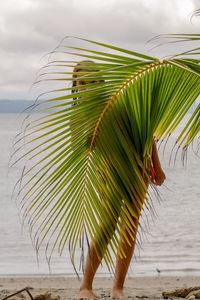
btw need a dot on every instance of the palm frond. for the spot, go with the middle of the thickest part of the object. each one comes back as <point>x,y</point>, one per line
<point>89,162</point>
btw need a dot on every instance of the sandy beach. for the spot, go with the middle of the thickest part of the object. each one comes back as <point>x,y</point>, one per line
<point>68,288</point>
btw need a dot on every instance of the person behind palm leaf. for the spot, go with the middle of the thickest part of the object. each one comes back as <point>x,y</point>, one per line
<point>93,261</point>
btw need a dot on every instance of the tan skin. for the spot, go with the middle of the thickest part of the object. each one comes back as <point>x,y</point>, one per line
<point>122,264</point>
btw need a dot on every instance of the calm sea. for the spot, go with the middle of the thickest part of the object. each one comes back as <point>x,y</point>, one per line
<point>171,247</point>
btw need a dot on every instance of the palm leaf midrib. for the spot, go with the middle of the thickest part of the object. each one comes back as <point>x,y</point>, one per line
<point>119,90</point>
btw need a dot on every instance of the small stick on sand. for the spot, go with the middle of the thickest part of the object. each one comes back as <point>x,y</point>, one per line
<point>26,289</point>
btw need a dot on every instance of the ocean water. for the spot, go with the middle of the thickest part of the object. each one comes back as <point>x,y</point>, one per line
<point>172,246</point>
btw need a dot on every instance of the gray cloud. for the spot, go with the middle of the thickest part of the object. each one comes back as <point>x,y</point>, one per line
<point>30,28</point>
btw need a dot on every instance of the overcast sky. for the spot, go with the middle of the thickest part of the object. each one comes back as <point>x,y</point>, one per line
<point>31,28</point>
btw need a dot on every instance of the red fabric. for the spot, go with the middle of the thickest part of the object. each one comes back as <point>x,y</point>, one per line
<point>152,173</point>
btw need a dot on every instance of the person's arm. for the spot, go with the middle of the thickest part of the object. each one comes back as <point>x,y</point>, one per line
<point>159,175</point>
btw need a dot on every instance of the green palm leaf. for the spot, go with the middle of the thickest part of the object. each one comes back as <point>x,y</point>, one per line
<point>89,161</point>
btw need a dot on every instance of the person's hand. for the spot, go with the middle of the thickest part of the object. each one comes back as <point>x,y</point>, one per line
<point>156,172</point>
<point>159,176</point>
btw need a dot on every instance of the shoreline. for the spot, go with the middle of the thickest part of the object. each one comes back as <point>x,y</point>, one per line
<point>68,287</point>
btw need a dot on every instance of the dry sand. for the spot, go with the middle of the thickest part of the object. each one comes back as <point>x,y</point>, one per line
<point>68,288</point>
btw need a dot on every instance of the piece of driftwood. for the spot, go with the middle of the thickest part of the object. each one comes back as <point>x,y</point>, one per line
<point>193,295</point>
<point>180,293</point>
<point>46,296</point>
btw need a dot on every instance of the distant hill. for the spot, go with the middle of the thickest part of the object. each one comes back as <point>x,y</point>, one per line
<point>14,106</point>
<point>18,106</point>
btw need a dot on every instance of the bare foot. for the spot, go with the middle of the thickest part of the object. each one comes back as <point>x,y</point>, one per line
<point>117,293</point>
<point>87,294</point>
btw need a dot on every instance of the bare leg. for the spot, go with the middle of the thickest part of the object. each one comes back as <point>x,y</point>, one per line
<point>122,265</point>
<point>92,263</point>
